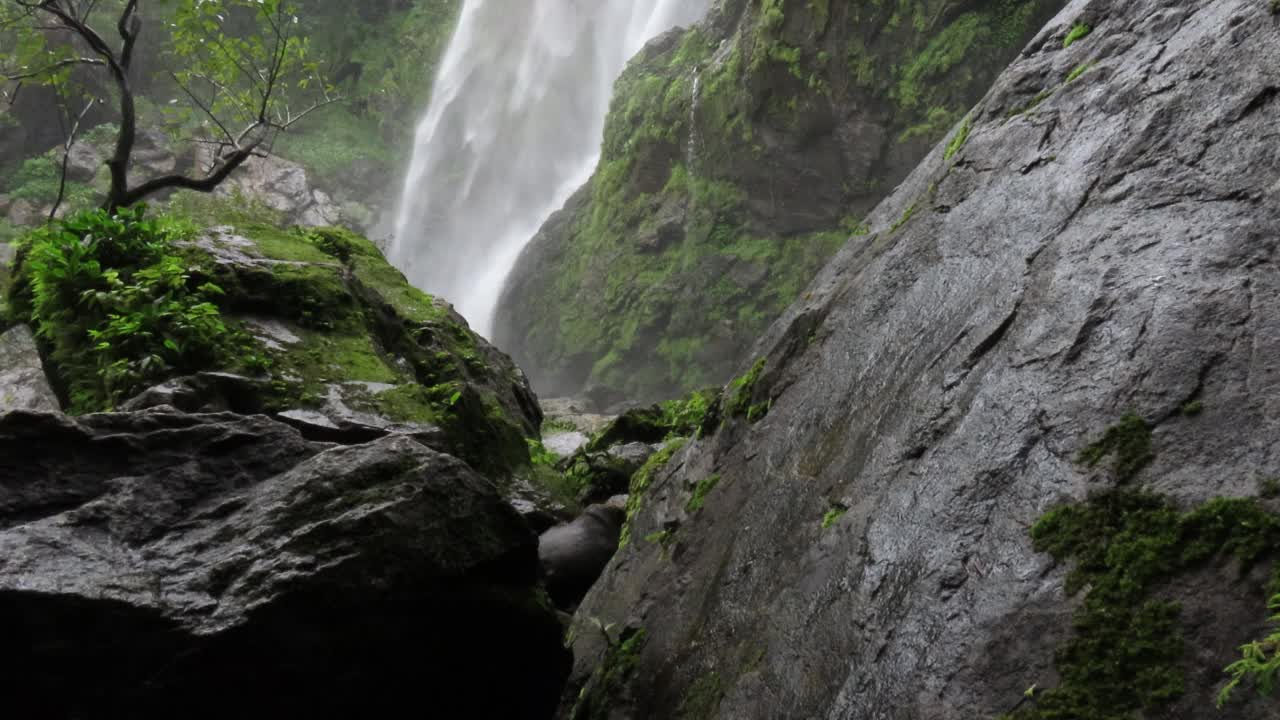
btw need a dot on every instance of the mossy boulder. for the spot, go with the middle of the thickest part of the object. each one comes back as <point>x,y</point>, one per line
<point>343,334</point>
<point>739,155</point>
<point>320,331</point>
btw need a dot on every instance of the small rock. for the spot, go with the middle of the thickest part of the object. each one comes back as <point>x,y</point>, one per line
<point>574,555</point>
<point>23,213</point>
<point>23,384</point>
<point>566,443</point>
<point>633,454</point>
<point>83,162</point>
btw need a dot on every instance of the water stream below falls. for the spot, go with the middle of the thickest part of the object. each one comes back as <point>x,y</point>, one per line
<point>513,128</point>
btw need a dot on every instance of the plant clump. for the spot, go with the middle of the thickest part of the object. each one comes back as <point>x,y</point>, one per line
<point>1078,32</point>
<point>742,393</point>
<point>611,678</point>
<point>700,493</point>
<point>1128,443</point>
<point>118,306</point>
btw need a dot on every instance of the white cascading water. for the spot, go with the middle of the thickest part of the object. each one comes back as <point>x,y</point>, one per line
<point>514,127</point>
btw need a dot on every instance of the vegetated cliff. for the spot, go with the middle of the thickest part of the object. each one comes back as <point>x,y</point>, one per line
<point>738,156</point>
<point>979,469</point>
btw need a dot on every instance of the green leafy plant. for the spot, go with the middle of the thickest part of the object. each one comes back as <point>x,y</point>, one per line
<point>1079,70</point>
<point>1128,442</point>
<point>833,515</point>
<point>1079,32</point>
<point>117,306</point>
<point>685,416</point>
<point>961,137</point>
<point>1259,662</point>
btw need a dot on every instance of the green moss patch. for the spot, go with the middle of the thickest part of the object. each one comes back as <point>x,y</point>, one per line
<point>1128,443</point>
<point>833,515</point>
<point>703,697</point>
<point>640,484</point>
<point>611,679</point>
<point>742,396</point>
<point>1126,650</point>
<point>1077,33</point>
<point>700,493</point>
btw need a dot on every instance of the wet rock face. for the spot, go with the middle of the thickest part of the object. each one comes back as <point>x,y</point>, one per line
<point>1099,238</point>
<point>149,560</point>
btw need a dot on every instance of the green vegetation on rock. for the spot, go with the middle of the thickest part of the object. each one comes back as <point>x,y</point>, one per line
<point>700,493</point>
<point>640,484</point>
<point>1126,651</point>
<point>833,515</point>
<point>117,305</point>
<point>309,318</point>
<point>1127,442</point>
<point>1078,32</point>
<point>961,137</point>
<point>611,678</point>
<point>742,400</point>
<point>703,697</point>
<point>681,250</point>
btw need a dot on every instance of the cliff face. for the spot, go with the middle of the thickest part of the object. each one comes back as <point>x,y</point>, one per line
<point>738,156</point>
<point>978,468</point>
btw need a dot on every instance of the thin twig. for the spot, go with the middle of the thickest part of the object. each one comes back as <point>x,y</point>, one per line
<point>66,160</point>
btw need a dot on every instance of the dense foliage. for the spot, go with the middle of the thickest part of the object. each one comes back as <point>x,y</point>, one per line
<point>116,305</point>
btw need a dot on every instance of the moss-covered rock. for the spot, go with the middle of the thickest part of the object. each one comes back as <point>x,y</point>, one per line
<point>343,333</point>
<point>738,156</point>
<point>315,327</point>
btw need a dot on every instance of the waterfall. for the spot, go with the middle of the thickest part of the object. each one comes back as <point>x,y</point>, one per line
<point>513,128</point>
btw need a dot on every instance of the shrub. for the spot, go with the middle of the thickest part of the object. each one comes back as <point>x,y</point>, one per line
<point>116,306</point>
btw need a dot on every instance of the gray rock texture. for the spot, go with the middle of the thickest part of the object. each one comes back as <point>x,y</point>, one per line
<point>1089,243</point>
<point>281,185</point>
<point>225,563</point>
<point>23,385</point>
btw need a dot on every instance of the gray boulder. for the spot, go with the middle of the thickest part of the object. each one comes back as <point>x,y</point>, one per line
<point>23,384</point>
<point>281,185</point>
<point>1099,238</point>
<point>23,213</point>
<point>574,554</point>
<point>83,162</point>
<point>224,564</point>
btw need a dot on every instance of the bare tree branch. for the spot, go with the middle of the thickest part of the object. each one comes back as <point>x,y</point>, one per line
<point>66,159</point>
<point>203,107</point>
<point>54,66</point>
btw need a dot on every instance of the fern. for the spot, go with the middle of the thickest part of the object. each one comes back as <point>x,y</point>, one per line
<point>1259,662</point>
